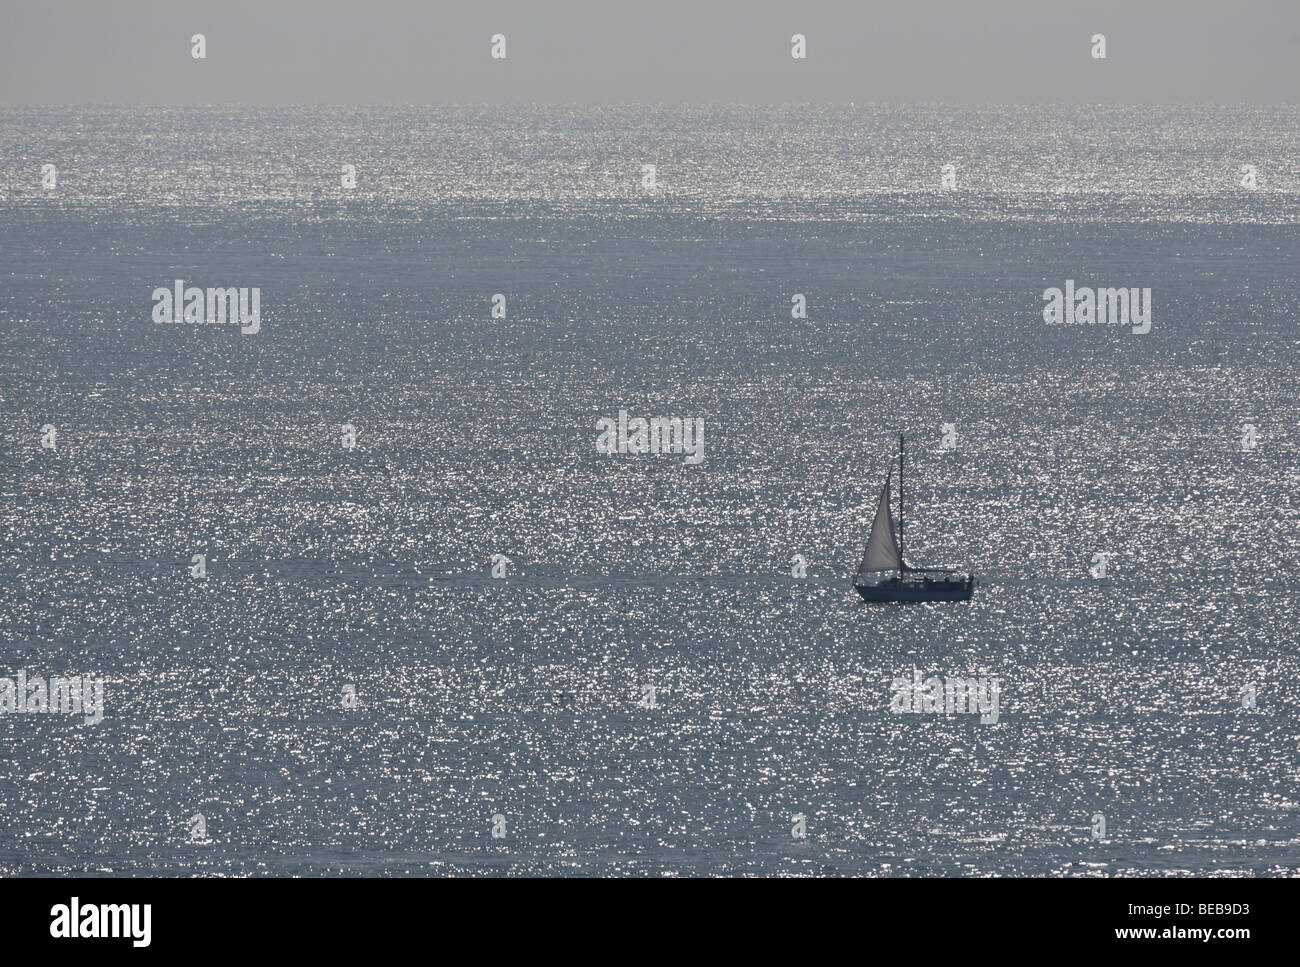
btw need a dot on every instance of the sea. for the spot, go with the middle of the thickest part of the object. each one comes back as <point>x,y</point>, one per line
<point>367,598</point>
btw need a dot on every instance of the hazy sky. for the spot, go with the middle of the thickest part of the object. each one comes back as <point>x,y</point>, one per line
<point>698,51</point>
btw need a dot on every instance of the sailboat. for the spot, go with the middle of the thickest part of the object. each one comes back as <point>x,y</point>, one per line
<point>884,554</point>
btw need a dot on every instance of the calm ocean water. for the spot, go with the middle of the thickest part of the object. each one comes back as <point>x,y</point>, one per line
<point>520,702</point>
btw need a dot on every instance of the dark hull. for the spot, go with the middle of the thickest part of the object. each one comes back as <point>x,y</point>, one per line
<point>918,589</point>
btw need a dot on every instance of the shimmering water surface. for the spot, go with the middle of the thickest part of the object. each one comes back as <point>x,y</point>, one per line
<point>521,697</point>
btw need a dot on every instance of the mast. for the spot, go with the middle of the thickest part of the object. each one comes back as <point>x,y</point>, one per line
<point>900,499</point>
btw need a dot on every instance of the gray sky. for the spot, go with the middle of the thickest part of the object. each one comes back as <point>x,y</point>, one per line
<point>676,51</point>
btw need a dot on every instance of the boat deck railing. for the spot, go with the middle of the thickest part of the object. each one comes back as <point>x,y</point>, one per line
<point>914,576</point>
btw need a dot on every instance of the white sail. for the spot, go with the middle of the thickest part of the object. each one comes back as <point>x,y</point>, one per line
<point>882,552</point>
